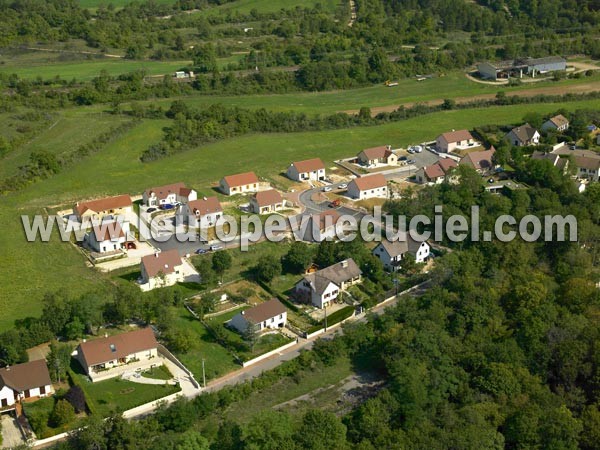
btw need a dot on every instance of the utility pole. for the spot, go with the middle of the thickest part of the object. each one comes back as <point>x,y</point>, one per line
<point>203,374</point>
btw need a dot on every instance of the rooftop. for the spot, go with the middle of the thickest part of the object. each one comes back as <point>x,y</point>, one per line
<point>29,375</point>
<point>241,179</point>
<point>104,204</point>
<point>269,197</point>
<point>309,165</point>
<point>163,262</point>
<point>264,311</point>
<point>109,348</point>
<point>369,182</point>
<point>206,205</point>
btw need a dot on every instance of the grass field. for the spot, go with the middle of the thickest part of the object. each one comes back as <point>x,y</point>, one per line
<point>117,3</point>
<point>452,85</point>
<point>266,6</point>
<point>30,269</point>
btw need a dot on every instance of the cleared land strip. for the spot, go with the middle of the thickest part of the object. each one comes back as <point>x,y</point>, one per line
<point>548,90</point>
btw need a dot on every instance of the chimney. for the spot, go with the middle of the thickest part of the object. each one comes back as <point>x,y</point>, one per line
<point>166,266</point>
<point>345,263</point>
<point>105,335</point>
<point>389,147</point>
<point>156,254</point>
<point>84,340</point>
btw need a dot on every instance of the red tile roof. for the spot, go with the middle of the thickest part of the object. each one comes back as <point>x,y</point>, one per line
<point>241,179</point>
<point>109,348</point>
<point>369,182</point>
<point>481,160</point>
<point>108,231</point>
<point>29,375</point>
<point>457,136</point>
<point>309,165</point>
<point>434,171</point>
<point>377,152</point>
<point>163,192</point>
<point>164,262</point>
<point>267,198</point>
<point>264,311</point>
<point>446,164</point>
<point>104,204</point>
<point>206,205</point>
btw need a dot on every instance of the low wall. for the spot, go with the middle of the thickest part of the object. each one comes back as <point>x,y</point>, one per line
<point>268,354</point>
<point>167,354</point>
<point>150,407</point>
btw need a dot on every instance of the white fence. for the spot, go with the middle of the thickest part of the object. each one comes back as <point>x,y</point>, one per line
<point>268,354</point>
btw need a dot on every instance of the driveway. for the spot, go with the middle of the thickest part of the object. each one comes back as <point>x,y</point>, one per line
<point>11,433</point>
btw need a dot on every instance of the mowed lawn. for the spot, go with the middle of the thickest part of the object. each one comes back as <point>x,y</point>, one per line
<point>30,269</point>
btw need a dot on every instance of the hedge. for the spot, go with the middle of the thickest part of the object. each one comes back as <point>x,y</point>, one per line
<point>332,319</point>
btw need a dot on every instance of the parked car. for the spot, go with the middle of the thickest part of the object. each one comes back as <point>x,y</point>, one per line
<point>402,158</point>
<point>167,206</point>
<point>214,248</point>
<point>342,186</point>
<point>201,251</point>
<point>410,150</point>
<point>418,149</point>
<point>150,210</point>
<point>411,161</point>
<point>326,189</point>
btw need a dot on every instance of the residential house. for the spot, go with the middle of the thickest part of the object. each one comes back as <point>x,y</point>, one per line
<point>588,168</point>
<point>162,269</point>
<point>323,286</point>
<point>97,209</point>
<point>168,195</point>
<point>99,356</point>
<point>267,315</point>
<point>437,173</point>
<point>201,213</point>
<point>239,183</point>
<point>265,202</point>
<point>368,187</point>
<point>558,123</point>
<point>482,161</point>
<point>318,227</point>
<point>523,135</point>
<point>393,253</point>
<point>554,158</point>
<point>24,381</point>
<point>309,169</point>
<point>377,155</point>
<point>454,140</point>
<point>108,236</point>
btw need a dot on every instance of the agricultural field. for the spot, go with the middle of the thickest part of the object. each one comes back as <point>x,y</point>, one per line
<point>30,269</point>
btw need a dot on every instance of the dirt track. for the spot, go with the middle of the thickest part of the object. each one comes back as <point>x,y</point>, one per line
<point>549,90</point>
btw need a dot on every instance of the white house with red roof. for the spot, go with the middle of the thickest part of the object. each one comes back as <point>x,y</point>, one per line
<point>162,269</point>
<point>240,183</point>
<point>307,170</point>
<point>370,186</point>
<point>202,213</point>
<point>265,202</point>
<point>119,205</point>
<point>454,140</point>
<point>108,236</point>
<point>168,195</point>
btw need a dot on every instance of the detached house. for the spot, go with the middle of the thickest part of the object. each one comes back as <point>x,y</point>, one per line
<point>523,136</point>
<point>323,286</point>
<point>436,173</point>
<point>588,167</point>
<point>318,227</point>
<point>554,158</point>
<point>265,202</point>
<point>162,269</point>
<point>557,123</point>
<point>24,381</point>
<point>267,315</point>
<point>377,155</point>
<point>239,184</point>
<point>368,187</point>
<point>392,254</point>
<point>453,140</point>
<point>201,213</point>
<point>98,209</point>
<point>99,356</point>
<point>310,169</point>
<point>481,161</point>
<point>168,195</point>
<point>108,236</point>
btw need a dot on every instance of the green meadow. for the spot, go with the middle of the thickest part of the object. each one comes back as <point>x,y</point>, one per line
<point>30,269</point>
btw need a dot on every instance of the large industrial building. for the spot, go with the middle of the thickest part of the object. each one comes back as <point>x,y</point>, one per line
<point>519,67</point>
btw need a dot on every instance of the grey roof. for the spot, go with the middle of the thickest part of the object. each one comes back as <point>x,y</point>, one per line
<point>552,157</point>
<point>524,133</point>
<point>400,247</point>
<point>545,60</point>
<point>337,273</point>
